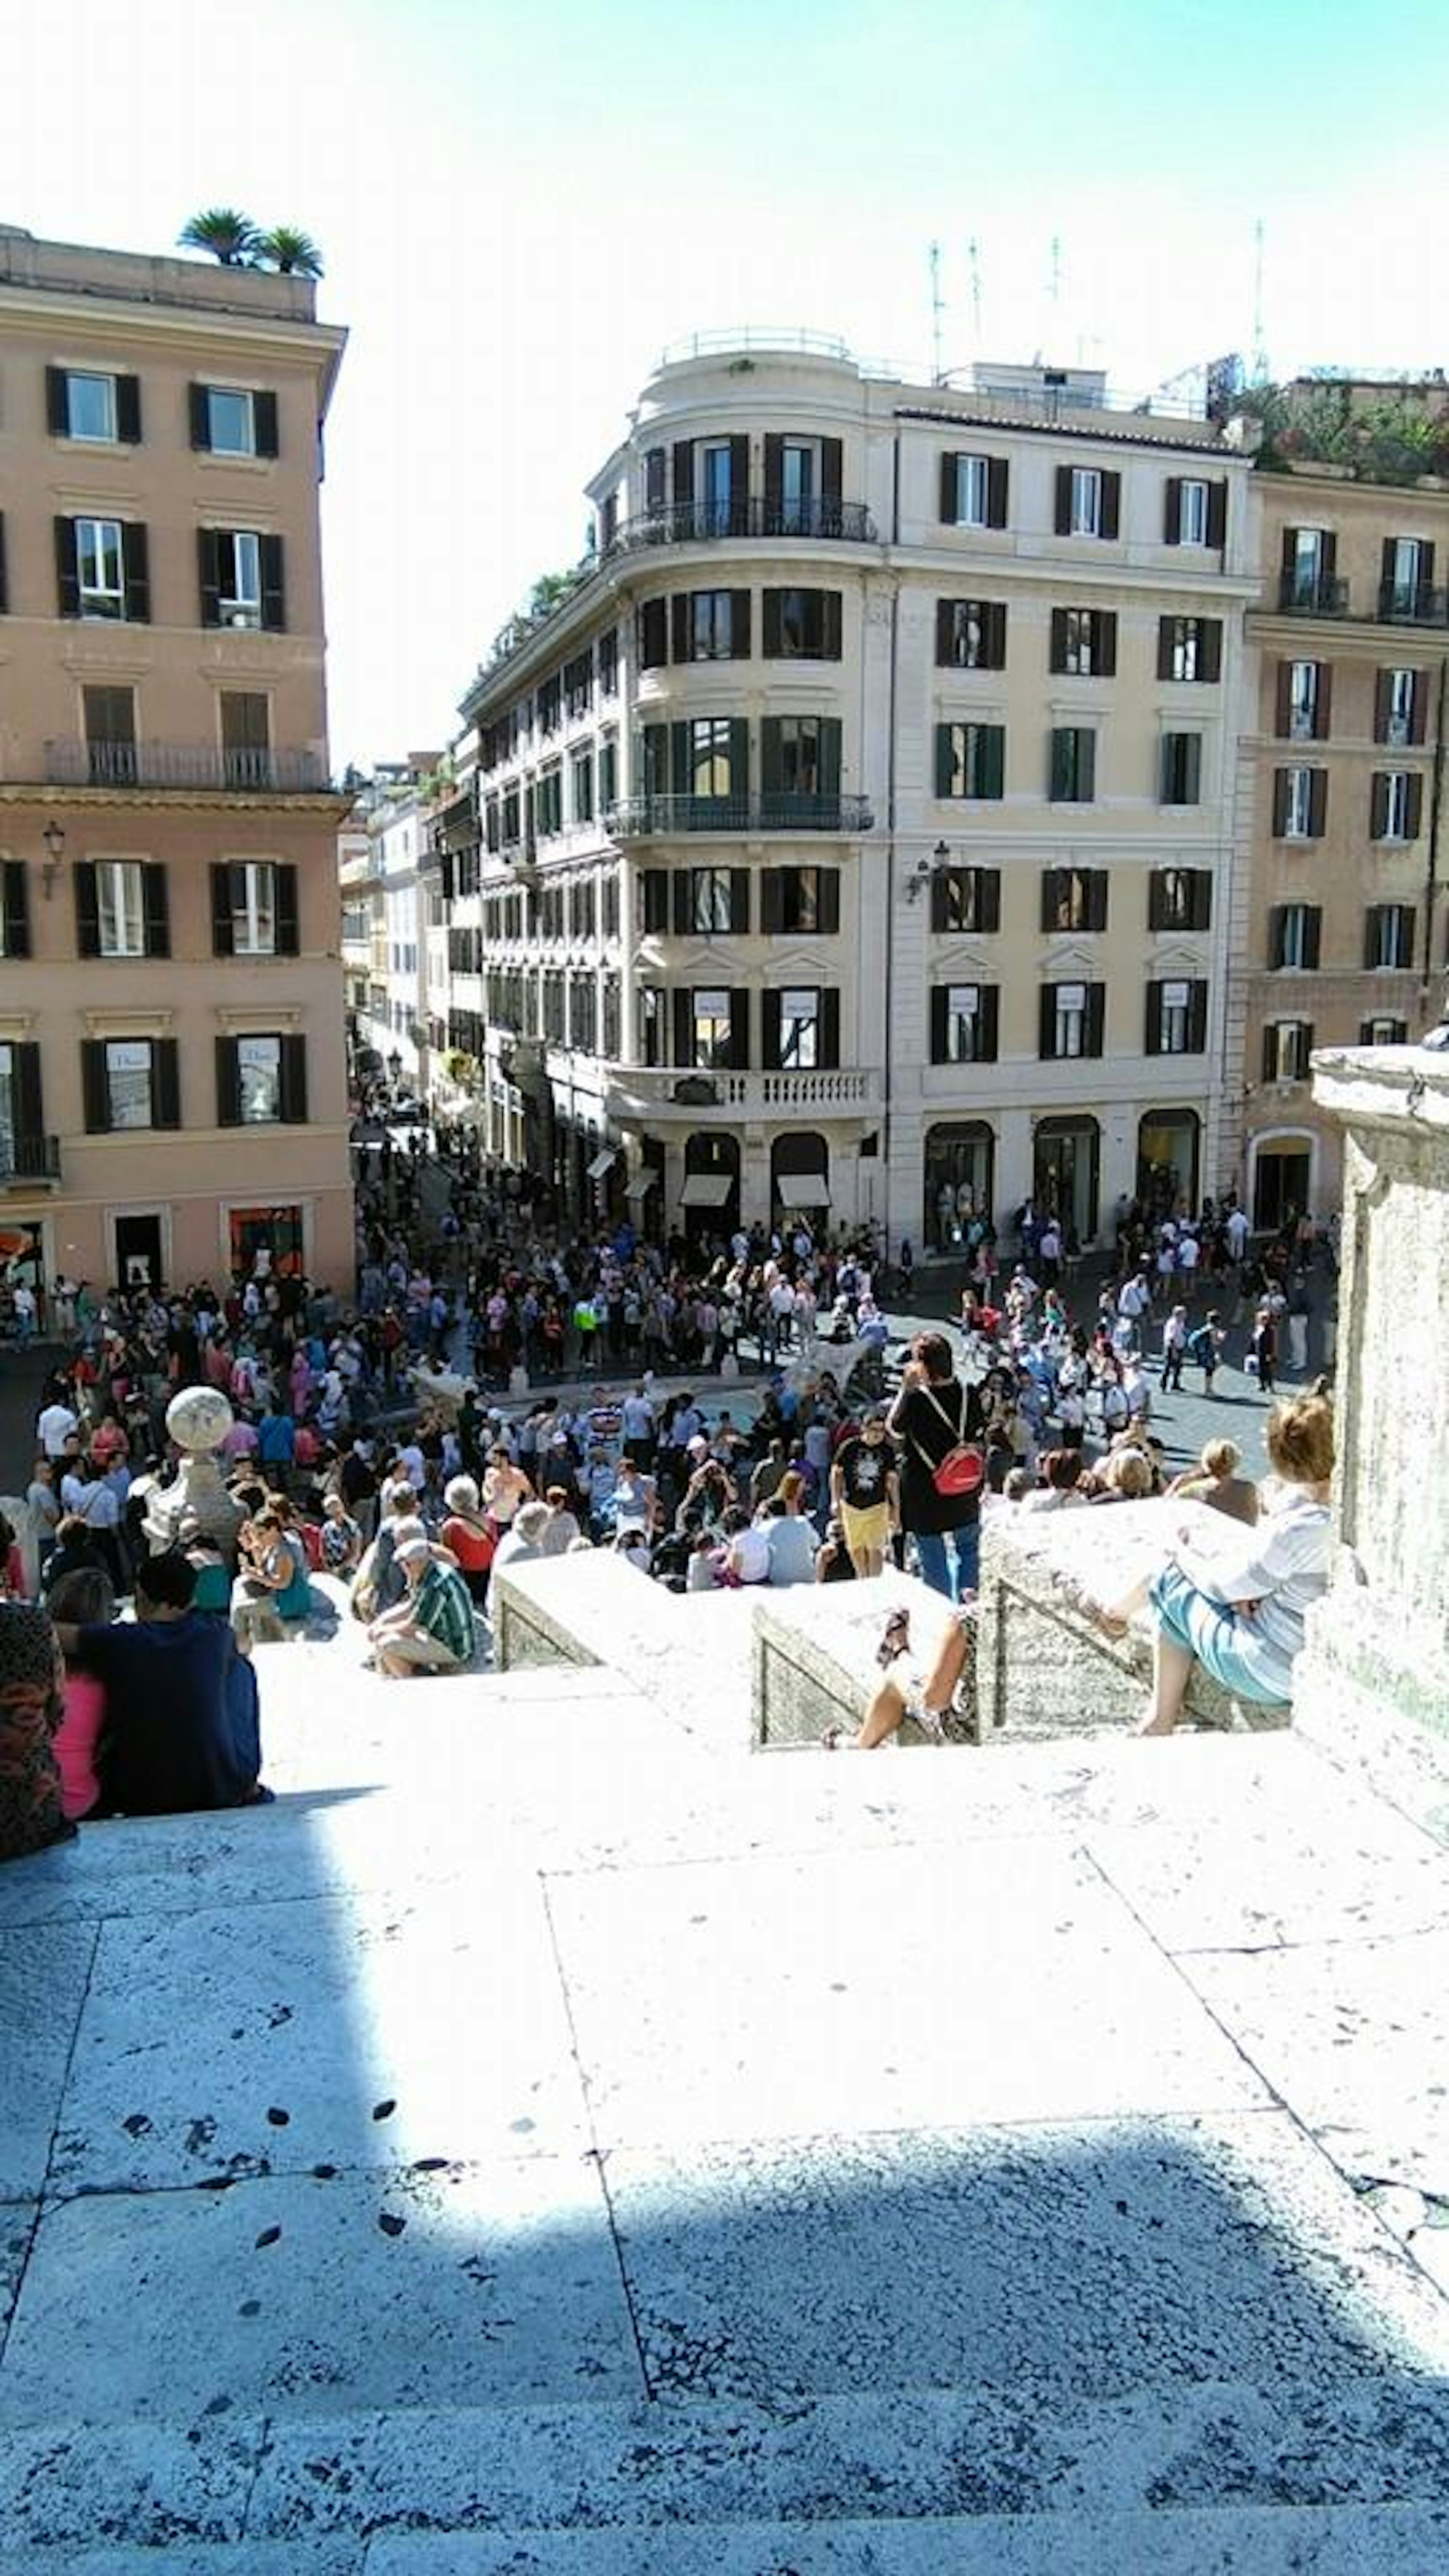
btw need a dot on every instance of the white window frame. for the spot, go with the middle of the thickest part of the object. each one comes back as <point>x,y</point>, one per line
<point>799,1028</point>
<point>1294,936</point>
<point>963,1023</point>
<point>973,491</point>
<point>239,606</point>
<point>1303,701</point>
<point>121,907</point>
<point>1085,518</point>
<point>705,626</point>
<point>254,922</point>
<point>243,395</point>
<point>1307,558</point>
<point>709,1006</point>
<point>1298,813</point>
<point>1290,1055</point>
<point>1407,578</point>
<point>8,1125</point>
<point>796,507</point>
<point>1386,1029</point>
<point>1390,920</point>
<point>1396,805</point>
<point>95,539</point>
<point>1175,1024</point>
<point>720,511</point>
<point>1177,897</point>
<point>106,437</point>
<point>1192,512</point>
<point>1399,726</point>
<point>1188,640</point>
<point>259,1079</point>
<point>710,894</point>
<point>710,741</point>
<point>130,1098</point>
<point>1071,1020</point>
<point>1080,654</point>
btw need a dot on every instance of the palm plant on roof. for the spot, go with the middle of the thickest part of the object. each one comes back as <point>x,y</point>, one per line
<point>284,247</point>
<point>229,235</point>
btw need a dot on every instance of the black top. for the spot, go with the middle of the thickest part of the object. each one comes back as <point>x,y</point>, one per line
<point>865,1468</point>
<point>928,1423</point>
<point>176,1736</point>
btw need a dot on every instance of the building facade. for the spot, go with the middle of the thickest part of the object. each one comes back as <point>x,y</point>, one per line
<point>172,1085</point>
<point>1344,941</point>
<point>858,835</point>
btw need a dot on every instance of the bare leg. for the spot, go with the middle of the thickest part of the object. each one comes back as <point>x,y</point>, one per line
<point>881,1719</point>
<point>867,1561</point>
<point>1171,1666</point>
<point>945,1672</point>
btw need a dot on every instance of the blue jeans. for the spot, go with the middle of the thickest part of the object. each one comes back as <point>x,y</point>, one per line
<point>951,1564</point>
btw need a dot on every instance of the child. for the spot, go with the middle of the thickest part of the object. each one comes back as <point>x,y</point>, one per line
<point>85,1599</point>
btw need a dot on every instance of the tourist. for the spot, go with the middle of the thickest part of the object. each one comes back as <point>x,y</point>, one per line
<point>81,1600</point>
<point>1061,1474</point>
<point>431,1629</point>
<point>506,1489</point>
<point>747,1548</point>
<point>1205,1347</point>
<point>791,1541</point>
<point>1215,1480</point>
<point>1174,1350</point>
<point>865,1492</point>
<point>341,1539</point>
<point>934,1418</point>
<point>32,1705</point>
<point>469,1536</point>
<point>937,1688</point>
<point>834,1563</point>
<point>522,1541</point>
<point>562,1530</point>
<point>181,1728</point>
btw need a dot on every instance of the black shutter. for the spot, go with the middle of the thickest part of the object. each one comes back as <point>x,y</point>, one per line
<point>740,1029</point>
<point>1106,641</point>
<point>994,635</point>
<point>940,1004</point>
<point>136,572</point>
<point>1417,706</point>
<point>1097,899</point>
<point>739,902</point>
<point>993,759</point>
<point>832,460</point>
<point>653,634</point>
<point>1280,803</point>
<point>228,1083</point>
<point>1373,915</point>
<point>66,575</point>
<point>1217,514</point>
<point>1051,891</point>
<point>681,906</point>
<point>1096,1017</point>
<point>1200,916</point>
<point>770,1030</point>
<point>740,626</point>
<point>1046,1039</point>
<point>294,1081</point>
<point>1166,645</point>
<point>1059,640</point>
<point>199,407</point>
<point>683,473</point>
<point>1212,649</point>
<point>1152,1024</point>
<point>996,488</point>
<point>948,490</point>
<point>774,477</point>
<point>1156,900</point>
<point>1197,1002</point>
<point>208,564</point>
<point>1386,563</point>
<point>770,900</point>
<point>987,1023</point>
<point>223,929</point>
<point>829,1028</point>
<point>1192,768</point>
<point>274,598</point>
<point>1111,505</point>
<point>1313,925</point>
<point>1283,702</point>
<point>1317,803</point>
<point>740,757</point>
<point>264,424</point>
<point>1383,704</point>
<point>87,910</point>
<point>1086,781</point>
<point>683,1026</point>
<point>156,898</point>
<point>1064,501</point>
<point>655,885</point>
<point>945,762</point>
<point>1270,1051</point>
<point>1378,806</point>
<point>4,586</point>
<point>165,1083</point>
<point>284,897</point>
<point>739,485</point>
<point>827,881</point>
<point>680,621</point>
<point>1415,807</point>
<point>1290,550</point>
<point>27,1104</point>
<point>1172,511</point>
<point>16,898</point>
<point>95,1091</point>
<point>1330,554</point>
<point>988,900</point>
<point>1276,914</point>
<point>771,642</point>
<point>1323,701</point>
<point>128,410</point>
<point>57,406</point>
<point>940,903</point>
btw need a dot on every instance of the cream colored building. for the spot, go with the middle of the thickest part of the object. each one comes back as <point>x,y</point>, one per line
<point>1344,940</point>
<point>172,1083</point>
<point>859,832</point>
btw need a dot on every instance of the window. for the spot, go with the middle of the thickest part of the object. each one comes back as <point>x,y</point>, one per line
<point>511,823</point>
<point>262,1080</point>
<point>970,760</point>
<point>1089,501</point>
<point>103,410</point>
<point>963,1024</point>
<point>973,491</point>
<point>253,909</point>
<point>711,1023</point>
<point>1073,899</point>
<point>129,1084</point>
<point>651,1024</point>
<point>1176,1018</point>
<point>799,1029</point>
<point>1192,512</point>
<point>799,485</point>
<point>1189,648</point>
<point>14,909</point>
<point>1293,931</point>
<point>100,567</point>
<point>971,634</point>
<point>710,900</point>
<point>241,579</point>
<point>803,900</point>
<point>710,748</point>
<point>581,787</point>
<point>578,685</point>
<point>1383,1031</point>
<point>120,896</point>
<point>1303,701</point>
<point>1072,766</point>
<point>716,487</point>
<point>550,704</point>
<point>1179,899</point>
<point>246,738</point>
<point>966,900</point>
<point>1396,805</point>
<point>1071,1020</point>
<point>230,420</point>
<point>655,464</point>
<point>1195,512</point>
<point>1388,937</point>
<point>1408,577</point>
<point>1300,804</point>
<point>608,659</point>
<point>1287,1046</point>
<point>1181,769</point>
<point>548,803</point>
<point>110,723</point>
<point>802,625</point>
<point>608,774</point>
<point>1084,643</point>
<point>259,1072</point>
<point>800,764</point>
<point>1399,708</point>
<point>1308,580</point>
<point>1086,518</point>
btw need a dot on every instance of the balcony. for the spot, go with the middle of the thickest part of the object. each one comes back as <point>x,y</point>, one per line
<point>200,766</point>
<point>29,1162</point>
<point>672,1095</point>
<point>639,818</point>
<point>1312,595</point>
<point>692,523</point>
<point>1406,603</point>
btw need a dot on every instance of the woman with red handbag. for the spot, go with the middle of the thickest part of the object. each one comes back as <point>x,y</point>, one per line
<point>938,1423</point>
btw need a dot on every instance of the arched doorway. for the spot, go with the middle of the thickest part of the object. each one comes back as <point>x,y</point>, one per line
<point>1066,1172</point>
<point>1282,1185</point>
<point>959,1174</point>
<point>799,1180</point>
<point>710,1197</point>
<point>1167,1160</point>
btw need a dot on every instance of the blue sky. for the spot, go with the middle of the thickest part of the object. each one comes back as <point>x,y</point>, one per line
<point>521,201</point>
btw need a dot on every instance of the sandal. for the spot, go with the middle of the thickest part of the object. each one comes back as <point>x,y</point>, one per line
<point>834,1740</point>
<point>895,1638</point>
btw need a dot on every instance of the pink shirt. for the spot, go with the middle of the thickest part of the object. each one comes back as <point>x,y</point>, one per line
<point>75,1743</point>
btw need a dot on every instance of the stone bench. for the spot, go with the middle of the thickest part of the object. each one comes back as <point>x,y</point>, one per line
<point>1043,1669</point>
<point>690,1652</point>
<point>815,1660</point>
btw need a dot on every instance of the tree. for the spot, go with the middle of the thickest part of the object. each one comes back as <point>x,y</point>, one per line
<point>229,236</point>
<point>294,253</point>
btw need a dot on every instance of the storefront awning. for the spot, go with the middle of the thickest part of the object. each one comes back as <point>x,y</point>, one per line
<point>640,1186</point>
<point>803,1190</point>
<point>706,1189</point>
<point>604,1161</point>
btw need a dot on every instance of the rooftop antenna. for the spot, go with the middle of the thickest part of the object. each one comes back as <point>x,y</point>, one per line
<point>973,248</point>
<point>1260,354</point>
<point>937,309</point>
<point>1054,283</point>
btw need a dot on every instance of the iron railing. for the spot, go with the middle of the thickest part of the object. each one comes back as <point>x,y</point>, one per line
<point>203,765</point>
<point>642,817</point>
<point>684,523</point>
<point>1313,595</point>
<point>1412,603</point>
<point>28,1158</point>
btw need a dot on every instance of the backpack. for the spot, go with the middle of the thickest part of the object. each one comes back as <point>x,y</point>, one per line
<point>1202,1346</point>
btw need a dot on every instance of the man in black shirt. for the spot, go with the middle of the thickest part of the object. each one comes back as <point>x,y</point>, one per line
<point>181,1729</point>
<point>865,1492</point>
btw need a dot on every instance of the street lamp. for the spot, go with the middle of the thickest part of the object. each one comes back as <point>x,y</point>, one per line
<point>54,838</point>
<point>926,868</point>
<point>394,1066</point>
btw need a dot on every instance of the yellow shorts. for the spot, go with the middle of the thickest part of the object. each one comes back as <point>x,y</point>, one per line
<point>869,1529</point>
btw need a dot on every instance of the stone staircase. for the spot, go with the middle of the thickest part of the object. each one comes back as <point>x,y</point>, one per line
<point>552,2142</point>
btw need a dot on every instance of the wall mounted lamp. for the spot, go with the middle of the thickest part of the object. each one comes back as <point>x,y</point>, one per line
<point>50,866</point>
<point>924,869</point>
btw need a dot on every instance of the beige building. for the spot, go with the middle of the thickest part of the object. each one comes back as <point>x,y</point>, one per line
<point>1344,943</point>
<point>858,833</point>
<point>172,1086</point>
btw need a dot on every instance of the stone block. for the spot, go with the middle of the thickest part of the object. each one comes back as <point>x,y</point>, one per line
<point>688,1652</point>
<point>815,1663</point>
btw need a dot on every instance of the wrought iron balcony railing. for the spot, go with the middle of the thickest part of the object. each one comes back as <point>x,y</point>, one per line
<point>1313,595</point>
<point>1412,603</point>
<point>684,523</point>
<point>28,1158</point>
<point>203,765</point>
<point>659,817</point>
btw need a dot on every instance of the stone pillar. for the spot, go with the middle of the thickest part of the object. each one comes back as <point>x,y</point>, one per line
<point>1377,1650</point>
